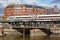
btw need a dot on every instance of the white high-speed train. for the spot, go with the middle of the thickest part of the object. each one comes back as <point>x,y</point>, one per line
<point>19,17</point>
<point>54,16</point>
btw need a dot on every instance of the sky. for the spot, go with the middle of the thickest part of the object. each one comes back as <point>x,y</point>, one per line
<point>48,3</point>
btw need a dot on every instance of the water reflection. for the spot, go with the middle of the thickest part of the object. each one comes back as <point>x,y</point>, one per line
<point>29,38</point>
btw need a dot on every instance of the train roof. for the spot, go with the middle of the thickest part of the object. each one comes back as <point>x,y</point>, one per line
<point>20,16</point>
<point>39,15</point>
<point>50,15</point>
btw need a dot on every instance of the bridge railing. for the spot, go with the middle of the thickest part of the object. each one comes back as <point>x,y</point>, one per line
<point>6,25</point>
<point>27,25</point>
<point>30,25</point>
<point>57,25</point>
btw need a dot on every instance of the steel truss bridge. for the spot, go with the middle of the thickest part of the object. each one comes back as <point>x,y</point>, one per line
<point>26,25</point>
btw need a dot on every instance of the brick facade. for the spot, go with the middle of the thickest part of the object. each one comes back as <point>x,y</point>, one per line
<point>23,10</point>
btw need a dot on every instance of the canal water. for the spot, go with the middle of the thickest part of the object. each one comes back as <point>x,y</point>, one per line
<point>18,37</point>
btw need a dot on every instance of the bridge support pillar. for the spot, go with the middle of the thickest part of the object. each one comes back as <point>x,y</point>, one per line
<point>23,32</point>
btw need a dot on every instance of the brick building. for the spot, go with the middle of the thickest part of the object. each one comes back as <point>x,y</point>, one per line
<point>23,10</point>
<point>27,10</point>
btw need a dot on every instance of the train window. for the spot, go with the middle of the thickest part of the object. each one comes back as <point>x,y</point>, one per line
<point>23,17</point>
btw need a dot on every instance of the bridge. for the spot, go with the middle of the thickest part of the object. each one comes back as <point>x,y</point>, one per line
<point>24,27</point>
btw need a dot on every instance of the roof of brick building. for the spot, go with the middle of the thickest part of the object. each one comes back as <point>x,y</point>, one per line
<point>26,5</point>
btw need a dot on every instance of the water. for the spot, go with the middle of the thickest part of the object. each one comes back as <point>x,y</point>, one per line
<point>17,37</point>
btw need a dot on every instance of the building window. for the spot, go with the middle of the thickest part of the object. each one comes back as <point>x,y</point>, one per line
<point>39,11</point>
<point>10,12</point>
<point>18,11</point>
<point>29,10</point>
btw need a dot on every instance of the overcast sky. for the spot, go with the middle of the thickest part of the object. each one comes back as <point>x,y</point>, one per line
<point>49,3</point>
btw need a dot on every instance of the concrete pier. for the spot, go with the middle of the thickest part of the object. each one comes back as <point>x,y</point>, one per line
<point>55,30</point>
<point>1,33</point>
<point>11,32</point>
<point>36,32</point>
